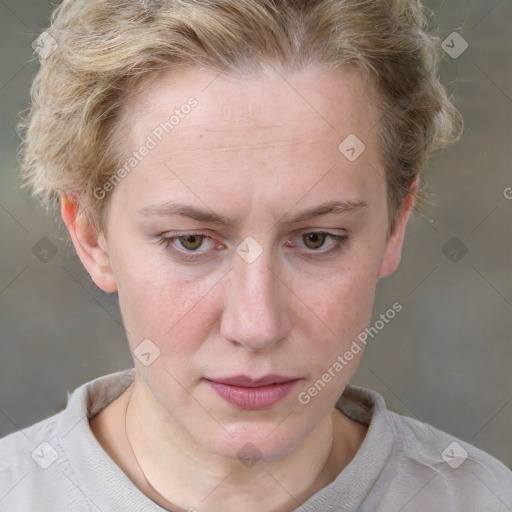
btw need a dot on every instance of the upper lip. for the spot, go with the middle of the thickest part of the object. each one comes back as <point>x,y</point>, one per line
<point>249,382</point>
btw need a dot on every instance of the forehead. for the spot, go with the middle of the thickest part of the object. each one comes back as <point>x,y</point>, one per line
<point>262,132</point>
<point>265,105</point>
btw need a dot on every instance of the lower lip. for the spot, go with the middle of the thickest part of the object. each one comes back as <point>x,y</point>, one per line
<point>256,398</point>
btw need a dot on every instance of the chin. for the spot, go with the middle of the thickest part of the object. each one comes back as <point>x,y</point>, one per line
<point>249,442</point>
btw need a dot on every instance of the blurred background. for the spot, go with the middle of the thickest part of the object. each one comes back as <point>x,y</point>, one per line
<point>445,359</point>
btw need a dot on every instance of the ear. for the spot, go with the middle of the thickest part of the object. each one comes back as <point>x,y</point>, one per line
<point>90,245</point>
<point>393,251</point>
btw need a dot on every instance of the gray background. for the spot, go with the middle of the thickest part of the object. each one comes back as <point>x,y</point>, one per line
<point>445,359</point>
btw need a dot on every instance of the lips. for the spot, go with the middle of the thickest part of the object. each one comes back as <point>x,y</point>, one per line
<point>248,382</point>
<point>253,394</point>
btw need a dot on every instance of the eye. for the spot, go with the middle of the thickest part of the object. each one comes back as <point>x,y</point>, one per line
<point>192,246</point>
<point>187,246</point>
<point>321,243</point>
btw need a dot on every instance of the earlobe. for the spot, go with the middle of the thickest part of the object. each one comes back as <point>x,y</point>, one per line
<point>90,245</point>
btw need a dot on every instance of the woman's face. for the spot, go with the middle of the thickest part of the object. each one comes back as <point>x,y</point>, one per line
<point>245,244</point>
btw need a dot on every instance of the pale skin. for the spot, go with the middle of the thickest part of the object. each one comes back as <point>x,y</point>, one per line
<point>258,152</point>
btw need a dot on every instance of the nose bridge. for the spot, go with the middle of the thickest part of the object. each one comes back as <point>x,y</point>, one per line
<point>255,314</point>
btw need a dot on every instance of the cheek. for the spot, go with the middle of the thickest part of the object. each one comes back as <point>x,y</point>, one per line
<point>163,304</point>
<point>341,302</point>
<point>337,313</point>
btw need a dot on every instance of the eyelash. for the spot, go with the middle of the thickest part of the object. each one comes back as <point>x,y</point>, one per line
<point>187,255</point>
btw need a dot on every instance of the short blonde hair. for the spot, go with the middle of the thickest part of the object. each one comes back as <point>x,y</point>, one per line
<point>105,49</point>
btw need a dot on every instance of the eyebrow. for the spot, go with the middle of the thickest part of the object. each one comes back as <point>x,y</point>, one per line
<point>171,208</point>
<point>335,207</point>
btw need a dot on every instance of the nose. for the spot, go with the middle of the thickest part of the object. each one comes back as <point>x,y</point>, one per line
<point>256,313</point>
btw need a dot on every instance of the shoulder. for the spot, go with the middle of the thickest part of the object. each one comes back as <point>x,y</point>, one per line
<point>19,451</point>
<point>428,469</point>
<point>49,464</point>
<point>431,446</point>
<point>34,470</point>
<point>448,469</point>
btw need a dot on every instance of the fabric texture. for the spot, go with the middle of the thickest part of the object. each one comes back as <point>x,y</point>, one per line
<point>403,465</point>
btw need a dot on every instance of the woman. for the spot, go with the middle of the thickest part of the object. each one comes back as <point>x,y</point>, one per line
<point>240,173</point>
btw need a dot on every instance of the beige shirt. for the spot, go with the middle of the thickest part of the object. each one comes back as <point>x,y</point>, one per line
<point>403,465</point>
